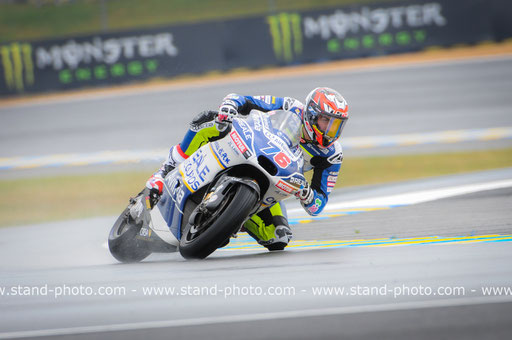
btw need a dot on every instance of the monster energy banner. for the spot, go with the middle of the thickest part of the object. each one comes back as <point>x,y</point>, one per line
<point>282,38</point>
<point>359,31</point>
<point>108,59</point>
<point>17,66</point>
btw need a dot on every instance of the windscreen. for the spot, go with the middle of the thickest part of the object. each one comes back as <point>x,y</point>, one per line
<point>287,125</point>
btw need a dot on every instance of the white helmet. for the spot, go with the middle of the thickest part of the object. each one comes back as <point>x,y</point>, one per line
<point>324,116</point>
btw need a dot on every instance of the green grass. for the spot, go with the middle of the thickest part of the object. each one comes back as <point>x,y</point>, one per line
<point>25,21</point>
<point>44,199</point>
<point>375,170</point>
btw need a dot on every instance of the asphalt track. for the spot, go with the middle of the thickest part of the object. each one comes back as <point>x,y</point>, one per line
<point>420,273</point>
<point>251,293</point>
<point>427,107</point>
<point>383,101</point>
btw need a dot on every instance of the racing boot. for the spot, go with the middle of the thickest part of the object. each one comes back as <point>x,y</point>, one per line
<point>156,182</point>
<point>269,228</point>
<point>283,235</point>
<point>270,236</point>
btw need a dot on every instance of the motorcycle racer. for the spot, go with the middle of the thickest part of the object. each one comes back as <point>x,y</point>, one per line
<point>323,118</point>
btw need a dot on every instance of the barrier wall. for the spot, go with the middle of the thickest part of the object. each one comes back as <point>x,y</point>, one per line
<point>279,39</point>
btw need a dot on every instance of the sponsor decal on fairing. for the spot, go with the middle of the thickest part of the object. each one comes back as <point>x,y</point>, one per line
<point>221,154</point>
<point>285,187</point>
<point>194,171</point>
<point>235,137</point>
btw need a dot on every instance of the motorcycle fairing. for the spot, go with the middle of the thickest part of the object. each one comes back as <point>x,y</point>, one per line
<point>239,147</point>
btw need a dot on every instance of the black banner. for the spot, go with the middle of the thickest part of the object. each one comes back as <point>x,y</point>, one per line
<point>109,58</point>
<point>279,39</point>
<point>357,31</point>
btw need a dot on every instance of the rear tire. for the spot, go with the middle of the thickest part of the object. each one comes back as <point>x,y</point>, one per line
<point>227,219</point>
<point>122,240</point>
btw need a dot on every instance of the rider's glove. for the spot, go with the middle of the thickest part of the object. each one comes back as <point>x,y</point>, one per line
<point>305,194</point>
<point>227,111</point>
<point>156,183</point>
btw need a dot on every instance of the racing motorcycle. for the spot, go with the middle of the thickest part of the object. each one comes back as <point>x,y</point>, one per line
<point>208,197</point>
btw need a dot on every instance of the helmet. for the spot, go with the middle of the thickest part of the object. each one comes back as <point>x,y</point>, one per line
<point>324,116</point>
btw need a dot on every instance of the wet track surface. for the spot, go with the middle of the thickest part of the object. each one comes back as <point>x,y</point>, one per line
<point>363,292</point>
<point>423,98</point>
<point>276,295</point>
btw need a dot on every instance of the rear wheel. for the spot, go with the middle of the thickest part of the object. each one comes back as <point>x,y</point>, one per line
<point>212,229</point>
<point>122,240</point>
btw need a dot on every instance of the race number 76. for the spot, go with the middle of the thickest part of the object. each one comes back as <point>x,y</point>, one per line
<point>280,157</point>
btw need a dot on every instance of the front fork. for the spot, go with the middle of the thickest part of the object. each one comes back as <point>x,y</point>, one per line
<point>217,194</point>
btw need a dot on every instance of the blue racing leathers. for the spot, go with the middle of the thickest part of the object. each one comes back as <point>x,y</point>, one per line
<point>325,162</point>
<point>269,226</point>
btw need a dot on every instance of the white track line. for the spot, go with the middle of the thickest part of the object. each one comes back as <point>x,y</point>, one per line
<point>399,306</point>
<point>157,155</point>
<point>415,197</point>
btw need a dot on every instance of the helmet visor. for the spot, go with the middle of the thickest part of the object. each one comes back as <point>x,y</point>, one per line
<point>330,127</point>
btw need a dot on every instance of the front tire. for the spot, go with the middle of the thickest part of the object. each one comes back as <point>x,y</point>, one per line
<point>199,241</point>
<point>122,240</point>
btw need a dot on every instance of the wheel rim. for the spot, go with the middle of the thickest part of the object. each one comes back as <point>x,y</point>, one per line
<point>123,226</point>
<point>205,221</point>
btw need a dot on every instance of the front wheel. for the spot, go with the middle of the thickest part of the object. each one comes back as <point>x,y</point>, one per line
<point>212,229</point>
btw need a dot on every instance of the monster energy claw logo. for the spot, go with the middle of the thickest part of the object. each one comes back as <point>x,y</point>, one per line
<point>286,32</point>
<point>17,66</point>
